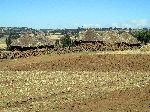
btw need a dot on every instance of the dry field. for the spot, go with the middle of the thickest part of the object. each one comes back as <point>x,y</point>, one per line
<point>88,82</point>
<point>2,43</point>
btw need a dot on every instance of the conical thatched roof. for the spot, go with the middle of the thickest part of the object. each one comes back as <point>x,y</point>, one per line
<point>108,37</point>
<point>32,42</point>
<point>127,38</point>
<point>115,37</point>
<point>111,37</point>
<point>91,35</point>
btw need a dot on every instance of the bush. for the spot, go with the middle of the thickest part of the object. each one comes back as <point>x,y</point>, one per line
<point>66,41</point>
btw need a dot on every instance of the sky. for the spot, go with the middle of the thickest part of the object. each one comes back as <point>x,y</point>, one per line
<point>74,13</point>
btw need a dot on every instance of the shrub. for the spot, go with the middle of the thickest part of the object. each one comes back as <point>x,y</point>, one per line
<point>66,41</point>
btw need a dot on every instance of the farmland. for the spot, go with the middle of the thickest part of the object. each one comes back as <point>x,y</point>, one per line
<point>84,82</point>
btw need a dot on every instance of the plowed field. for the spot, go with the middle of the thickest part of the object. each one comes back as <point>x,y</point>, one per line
<point>98,62</point>
<point>76,83</point>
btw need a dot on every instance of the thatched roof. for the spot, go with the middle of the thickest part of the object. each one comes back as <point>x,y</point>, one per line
<point>91,35</point>
<point>111,37</point>
<point>32,42</point>
<point>114,37</point>
<point>127,38</point>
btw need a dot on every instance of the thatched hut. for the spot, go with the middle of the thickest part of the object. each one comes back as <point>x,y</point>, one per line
<point>89,36</point>
<point>108,40</point>
<point>129,39</point>
<point>28,43</point>
<point>123,39</point>
<point>111,37</point>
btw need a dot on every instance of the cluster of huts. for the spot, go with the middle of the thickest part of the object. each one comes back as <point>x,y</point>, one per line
<point>105,38</point>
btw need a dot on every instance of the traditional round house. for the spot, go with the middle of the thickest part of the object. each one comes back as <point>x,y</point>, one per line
<point>30,46</point>
<point>89,40</point>
<point>31,43</point>
<point>108,40</point>
<point>120,41</point>
<point>129,40</point>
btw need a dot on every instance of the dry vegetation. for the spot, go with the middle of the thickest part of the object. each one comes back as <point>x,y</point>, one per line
<point>84,82</point>
<point>2,43</point>
<point>146,48</point>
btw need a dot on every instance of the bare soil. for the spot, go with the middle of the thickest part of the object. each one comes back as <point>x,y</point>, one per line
<point>129,100</point>
<point>99,62</point>
<point>76,83</point>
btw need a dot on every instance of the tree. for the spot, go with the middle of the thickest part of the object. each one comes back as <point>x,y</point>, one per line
<point>66,41</point>
<point>57,42</point>
<point>8,43</point>
<point>143,36</point>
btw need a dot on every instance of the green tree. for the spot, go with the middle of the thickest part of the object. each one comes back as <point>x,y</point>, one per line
<point>143,36</point>
<point>66,41</point>
<point>8,43</point>
<point>57,42</point>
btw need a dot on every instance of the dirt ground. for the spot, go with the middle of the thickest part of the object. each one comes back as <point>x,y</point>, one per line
<point>99,62</point>
<point>76,83</point>
<point>129,100</point>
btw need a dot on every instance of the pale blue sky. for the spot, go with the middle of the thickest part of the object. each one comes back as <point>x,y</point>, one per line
<point>74,13</point>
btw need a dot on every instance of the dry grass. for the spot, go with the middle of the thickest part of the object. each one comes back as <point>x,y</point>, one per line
<point>3,46</point>
<point>2,40</point>
<point>146,48</point>
<point>45,91</point>
<point>136,51</point>
<point>55,37</point>
<point>2,43</point>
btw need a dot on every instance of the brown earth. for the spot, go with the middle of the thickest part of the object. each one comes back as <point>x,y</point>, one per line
<point>132,99</point>
<point>129,100</point>
<point>99,62</point>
